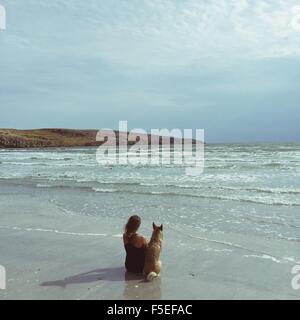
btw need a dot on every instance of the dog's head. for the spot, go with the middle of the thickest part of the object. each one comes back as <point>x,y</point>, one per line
<point>157,232</point>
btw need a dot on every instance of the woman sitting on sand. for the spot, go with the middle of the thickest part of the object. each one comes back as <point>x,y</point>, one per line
<point>135,246</point>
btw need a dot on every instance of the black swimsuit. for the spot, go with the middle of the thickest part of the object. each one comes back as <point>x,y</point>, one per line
<point>135,257</point>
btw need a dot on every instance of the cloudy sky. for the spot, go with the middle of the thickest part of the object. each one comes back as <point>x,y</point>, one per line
<point>231,67</point>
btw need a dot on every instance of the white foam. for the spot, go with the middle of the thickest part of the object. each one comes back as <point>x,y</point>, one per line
<point>104,190</point>
<point>54,231</point>
<point>40,185</point>
<point>264,256</point>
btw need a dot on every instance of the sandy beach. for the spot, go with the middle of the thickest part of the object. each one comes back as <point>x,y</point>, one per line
<point>50,253</point>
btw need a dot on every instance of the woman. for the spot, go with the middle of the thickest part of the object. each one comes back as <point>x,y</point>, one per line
<point>135,246</point>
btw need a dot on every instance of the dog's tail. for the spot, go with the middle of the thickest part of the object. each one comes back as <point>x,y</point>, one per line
<point>152,275</point>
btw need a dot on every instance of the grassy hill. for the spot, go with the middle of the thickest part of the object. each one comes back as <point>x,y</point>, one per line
<point>11,138</point>
<point>45,138</point>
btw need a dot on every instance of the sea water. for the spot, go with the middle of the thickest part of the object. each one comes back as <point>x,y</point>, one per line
<point>251,189</point>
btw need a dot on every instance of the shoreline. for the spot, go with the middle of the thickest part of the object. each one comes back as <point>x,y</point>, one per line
<point>53,252</point>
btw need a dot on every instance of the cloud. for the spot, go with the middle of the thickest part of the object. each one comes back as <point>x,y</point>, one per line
<point>162,33</point>
<point>188,32</point>
<point>176,63</point>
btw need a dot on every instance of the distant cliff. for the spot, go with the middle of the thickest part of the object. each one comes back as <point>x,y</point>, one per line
<point>46,138</point>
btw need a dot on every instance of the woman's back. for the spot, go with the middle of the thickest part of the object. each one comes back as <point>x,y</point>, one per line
<point>135,247</point>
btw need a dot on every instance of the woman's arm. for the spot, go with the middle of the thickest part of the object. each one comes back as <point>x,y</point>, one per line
<point>125,239</point>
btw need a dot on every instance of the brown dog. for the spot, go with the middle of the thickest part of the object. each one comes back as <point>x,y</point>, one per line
<point>152,265</point>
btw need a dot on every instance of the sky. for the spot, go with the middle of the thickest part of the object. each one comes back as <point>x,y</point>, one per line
<point>230,67</point>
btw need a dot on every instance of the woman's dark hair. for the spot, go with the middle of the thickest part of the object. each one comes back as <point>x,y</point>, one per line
<point>132,224</point>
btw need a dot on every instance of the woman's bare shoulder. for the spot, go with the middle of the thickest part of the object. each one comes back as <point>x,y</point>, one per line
<point>141,240</point>
<point>138,240</point>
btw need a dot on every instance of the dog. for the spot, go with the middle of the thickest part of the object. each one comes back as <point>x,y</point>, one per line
<point>152,265</point>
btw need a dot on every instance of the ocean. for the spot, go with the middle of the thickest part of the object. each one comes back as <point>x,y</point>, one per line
<point>244,187</point>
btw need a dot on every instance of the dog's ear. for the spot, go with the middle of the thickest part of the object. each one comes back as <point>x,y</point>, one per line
<point>154,226</point>
<point>161,227</point>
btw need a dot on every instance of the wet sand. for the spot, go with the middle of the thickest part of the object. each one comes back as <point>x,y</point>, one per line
<point>49,253</point>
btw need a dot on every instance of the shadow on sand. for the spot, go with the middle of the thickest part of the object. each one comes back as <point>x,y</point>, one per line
<point>106,274</point>
<point>135,286</point>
